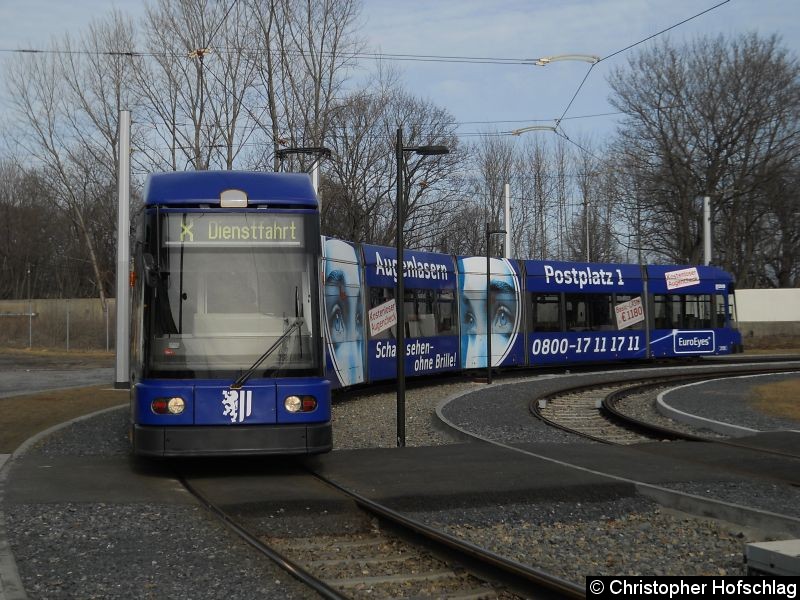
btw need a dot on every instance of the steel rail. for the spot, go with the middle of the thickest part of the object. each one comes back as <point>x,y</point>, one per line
<point>491,566</point>
<point>509,572</point>
<point>626,386</point>
<point>535,407</point>
<point>609,404</point>
<point>288,565</point>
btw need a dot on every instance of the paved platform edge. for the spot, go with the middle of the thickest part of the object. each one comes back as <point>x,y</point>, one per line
<point>699,506</point>
<point>703,422</point>
<point>768,522</point>
<point>11,587</point>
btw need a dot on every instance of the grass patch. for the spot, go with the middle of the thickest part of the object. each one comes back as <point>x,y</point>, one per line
<point>773,351</point>
<point>18,358</point>
<point>24,416</point>
<point>56,353</point>
<point>779,399</point>
<point>776,344</point>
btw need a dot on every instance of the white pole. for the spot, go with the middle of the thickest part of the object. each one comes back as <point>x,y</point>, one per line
<point>315,178</point>
<point>507,221</point>
<point>706,230</point>
<point>30,310</point>
<point>123,251</point>
<point>586,211</point>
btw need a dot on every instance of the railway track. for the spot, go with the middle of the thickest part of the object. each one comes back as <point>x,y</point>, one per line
<point>390,556</point>
<point>395,556</point>
<point>611,412</point>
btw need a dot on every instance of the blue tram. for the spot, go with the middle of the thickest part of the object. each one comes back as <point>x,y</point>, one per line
<point>227,352</point>
<point>540,312</point>
<point>244,318</point>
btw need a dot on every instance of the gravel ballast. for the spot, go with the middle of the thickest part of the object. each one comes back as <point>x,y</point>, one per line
<point>76,551</point>
<point>63,550</point>
<point>113,550</point>
<point>627,536</point>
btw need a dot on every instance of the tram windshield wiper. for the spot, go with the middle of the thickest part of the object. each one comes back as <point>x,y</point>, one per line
<point>246,375</point>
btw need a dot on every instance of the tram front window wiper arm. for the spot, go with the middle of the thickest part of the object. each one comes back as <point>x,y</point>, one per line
<point>246,375</point>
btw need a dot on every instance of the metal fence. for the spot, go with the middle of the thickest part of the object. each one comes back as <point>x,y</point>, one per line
<point>69,324</point>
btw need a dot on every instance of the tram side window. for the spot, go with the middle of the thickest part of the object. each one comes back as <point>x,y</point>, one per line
<point>619,299</point>
<point>678,311</point>
<point>666,311</point>
<point>660,317</point>
<point>589,312</point>
<point>732,308</point>
<point>719,311</point>
<point>575,312</point>
<point>419,309</point>
<point>697,312</point>
<point>545,312</point>
<point>428,313</point>
<point>378,296</point>
<point>446,312</point>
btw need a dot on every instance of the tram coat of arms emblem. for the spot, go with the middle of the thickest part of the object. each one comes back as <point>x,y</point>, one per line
<point>238,404</point>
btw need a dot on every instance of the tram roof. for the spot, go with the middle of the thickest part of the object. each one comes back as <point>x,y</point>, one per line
<point>179,188</point>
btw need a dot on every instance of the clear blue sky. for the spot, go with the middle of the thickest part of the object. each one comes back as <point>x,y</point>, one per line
<point>518,29</point>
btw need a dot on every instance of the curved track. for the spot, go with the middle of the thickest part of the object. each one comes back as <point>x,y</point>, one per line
<point>592,410</point>
<point>598,423</point>
<point>398,556</point>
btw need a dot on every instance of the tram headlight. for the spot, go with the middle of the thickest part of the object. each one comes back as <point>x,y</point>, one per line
<point>168,406</point>
<point>176,405</point>
<point>296,404</point>
<point>293,404</point>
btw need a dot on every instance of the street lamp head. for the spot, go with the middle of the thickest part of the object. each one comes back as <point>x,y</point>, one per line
<point>546,60</point>
<point>534,128</point>
<point>428,150</point>
<point>316,150</point>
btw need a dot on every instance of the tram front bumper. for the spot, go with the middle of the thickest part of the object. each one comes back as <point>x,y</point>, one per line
<point>313,438</point>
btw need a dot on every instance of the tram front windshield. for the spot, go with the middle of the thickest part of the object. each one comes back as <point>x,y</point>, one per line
<point>227,287</point>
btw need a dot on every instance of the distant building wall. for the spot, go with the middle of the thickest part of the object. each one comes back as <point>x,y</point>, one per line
<point>768,312</point>
<point>768,305</point>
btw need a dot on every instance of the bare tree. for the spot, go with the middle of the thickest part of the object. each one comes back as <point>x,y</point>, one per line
<point>593,232</point>
<point>781,237</point>
<point>359,175</point>
<point>494,161</point>
<point>25,237</point>
<point>304,51</point>
<point>715,118</point>
<point>68,102</point>
<point>552,186</point>
<point>534,187</point>
<point>196,88</point>
<point>463,236</point>
<point>359,187</point>
<point>429,182</point>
